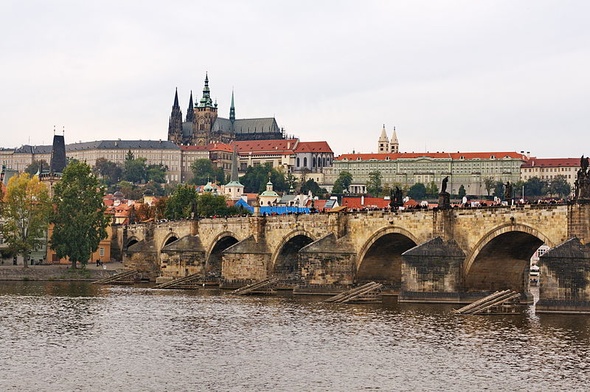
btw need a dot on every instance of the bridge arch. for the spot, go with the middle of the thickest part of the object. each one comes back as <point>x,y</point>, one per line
<point>170,238</point>
<point>213,256</point>
<point>380,256</point>
<point>131,241</point>
<point>284,261</point>
<point>500,260</point>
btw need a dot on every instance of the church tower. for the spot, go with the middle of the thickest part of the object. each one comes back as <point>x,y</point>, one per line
<point>175,122</point>
<point>383,143</point>
<point>232,109</point>
<point>190,111</point>
<point>394,144</point>
<point>205,116</point>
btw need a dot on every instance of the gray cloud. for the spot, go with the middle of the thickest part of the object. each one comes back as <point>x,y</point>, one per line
<point>449,75</point>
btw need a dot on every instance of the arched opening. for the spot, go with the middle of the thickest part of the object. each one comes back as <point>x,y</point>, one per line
<point>130,242</point>
<point>170,240</point>
<point>503,263</point>
<point>286,265</point>
<point>213,265</point>
<point>383,260</point>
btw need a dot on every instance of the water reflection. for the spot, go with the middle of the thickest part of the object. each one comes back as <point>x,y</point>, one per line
<point>64,336</point>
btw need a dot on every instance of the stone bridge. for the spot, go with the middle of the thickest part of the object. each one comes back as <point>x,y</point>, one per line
<point>451,255</point>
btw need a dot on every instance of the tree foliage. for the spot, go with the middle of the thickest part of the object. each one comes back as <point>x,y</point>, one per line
<point>342,183</point>
<point>311,185</point>
<point>108,171</point>
<point>78,218</point>
<point>204,171</point>
<point>417,191</point>
<point>535,187</point>
<point>257,177</point>
<point>181,203</point>
<point>25,211</point>
<point>489,184</point>
<point>498,189</point>
<point>432,190</point>
<point>135,170</point>
<point>374,185</point>
<point>560,187</point>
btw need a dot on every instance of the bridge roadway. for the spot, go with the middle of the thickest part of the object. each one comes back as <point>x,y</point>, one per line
<point>426,255</point>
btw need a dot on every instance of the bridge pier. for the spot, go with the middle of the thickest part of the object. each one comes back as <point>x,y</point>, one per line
<point>245,261</point>
<point>327,262</point>
<point>183,257</point>
<point>565,279</point>
<point>432,272</point>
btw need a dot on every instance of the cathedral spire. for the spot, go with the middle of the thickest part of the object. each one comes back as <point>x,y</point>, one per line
<point>232,109</point>
<point>175,122</point>
<point>176,105</point>
<point>190,111</point>
<point>206,100</point>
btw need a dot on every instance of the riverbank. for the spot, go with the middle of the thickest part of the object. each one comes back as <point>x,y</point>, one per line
<point>58,272</point>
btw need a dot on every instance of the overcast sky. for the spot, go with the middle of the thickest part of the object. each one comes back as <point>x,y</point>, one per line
<point>448,75</point>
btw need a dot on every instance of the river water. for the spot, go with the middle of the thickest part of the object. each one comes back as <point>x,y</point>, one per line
<point>81,337</point>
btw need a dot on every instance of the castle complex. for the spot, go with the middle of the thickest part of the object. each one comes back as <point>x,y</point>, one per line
<point>203,126</point>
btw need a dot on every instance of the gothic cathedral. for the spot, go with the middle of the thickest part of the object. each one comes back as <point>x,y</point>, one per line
<point>203,126</point>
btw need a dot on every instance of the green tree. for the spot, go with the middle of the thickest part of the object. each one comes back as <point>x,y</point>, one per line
<point>26,209</point>
<point>129,190</point>
<point>432,190</point>
<point>499,189</point>
<point>535,187</point>
<point>374,185</point>
<point>156,173</point>
<point>78,218</point>
<point>560,187</point>
<point>311,185</point>
<point>181,203</point>
<point>343,182</point>
<point>135,170</point>
<point>209,204</point>
<point>37,167</point>
<point>489,184</point>
<point>204,170</point>
<point>108,171</point>
<point>257,177</point>
<point>417,191</point>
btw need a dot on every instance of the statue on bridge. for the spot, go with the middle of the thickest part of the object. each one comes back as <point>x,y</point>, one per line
<point>444,198</point>
<point>508,191</point>
<point>396,198</point>
<point>582,182</point>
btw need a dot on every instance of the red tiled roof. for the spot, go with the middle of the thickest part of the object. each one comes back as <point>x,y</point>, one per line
<point>552,162</point>
<point>355,202</point>
<point>277,146</point>
<point>194,148</point>
<point>313,147</point>
<point>220,147</point>
<point>433,155</point>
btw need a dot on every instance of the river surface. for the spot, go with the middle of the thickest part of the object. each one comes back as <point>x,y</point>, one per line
<point>82,337</point>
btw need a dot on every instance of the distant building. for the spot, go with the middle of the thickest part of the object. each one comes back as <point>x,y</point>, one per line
<point>403,169</point>
<point>308,159</point>
<point>470,169</point>
<point>385,145</point>
<point>156,152</point>
<point>203,126</point>
<point>547,169</point>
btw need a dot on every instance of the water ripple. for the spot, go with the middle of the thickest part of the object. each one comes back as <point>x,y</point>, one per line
<point>78,337</point>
